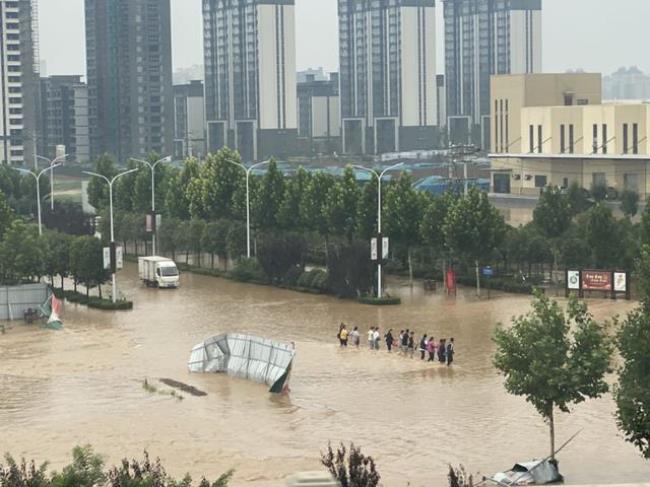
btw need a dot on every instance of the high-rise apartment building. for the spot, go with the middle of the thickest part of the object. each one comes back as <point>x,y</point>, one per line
<point>189,120</point>
<point>64,118</point>
<point>483,38</point>
<point>19,81</point>
<point>250,76</point>
<point>388,75</point>
<point>129,64</point>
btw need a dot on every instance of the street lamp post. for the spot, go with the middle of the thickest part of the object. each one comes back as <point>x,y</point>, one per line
<point>379,177</point>
<point>248,171</point>
<point>50,163</point>
<point>110,199</point>
<point>38,190</point>
<point>152,167</point>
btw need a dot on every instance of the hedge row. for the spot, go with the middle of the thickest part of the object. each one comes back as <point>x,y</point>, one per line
<point>93,302</point>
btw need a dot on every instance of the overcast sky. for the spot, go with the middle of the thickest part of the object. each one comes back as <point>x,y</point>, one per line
<point>596,35</point>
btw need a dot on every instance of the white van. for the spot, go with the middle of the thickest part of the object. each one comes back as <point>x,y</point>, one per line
<point>158,271</point>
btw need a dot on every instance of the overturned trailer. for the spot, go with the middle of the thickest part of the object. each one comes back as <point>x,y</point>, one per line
<point>535,472</point>
<point>247,357</point>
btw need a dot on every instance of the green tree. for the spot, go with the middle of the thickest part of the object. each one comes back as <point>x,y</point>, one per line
<point>602,236</point>
<point>211,194</point>
<point>473,229</point>
<point>289,215</point>
<point>552,215</point>
<point>629,203</point>
<point>21,253</point>
<point>632,394</point>
<point>403,210</point>
<point>56,259</point>
<point>433,219</point>
<point>577,197</point>
<point>87,263</point>
<point>215,239</point>
<point>168,236</point>
<point>314,201</point>
<point>644,228</point>
<point>85,470</point>
<point>554,359</point>
<point>197,229</point>
<point>351,470</point>
<point>269,198</point>
<point>367,211</point>
<point>177,203</point>
<point>340,207</point>
<point>6,215</point>
<point>236,241</point>
<point>97,188</point>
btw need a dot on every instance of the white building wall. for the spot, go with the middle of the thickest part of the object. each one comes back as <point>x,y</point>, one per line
<point>291,100</point>
<point>418,66</point>
<point>268,76</point>
<point>525,41</point>
<point>409,67</point>
<point>277,82</point>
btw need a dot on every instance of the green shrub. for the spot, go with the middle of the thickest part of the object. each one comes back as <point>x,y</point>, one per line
<point>108,305</point>
<point>293,276</point>
<point>248,270</point>
<point>385,301</point>
<point>314,279</point>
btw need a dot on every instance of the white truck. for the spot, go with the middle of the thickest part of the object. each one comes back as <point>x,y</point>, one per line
<point>158,272</point>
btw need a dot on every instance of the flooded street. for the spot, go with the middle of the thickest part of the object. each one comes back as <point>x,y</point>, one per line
<point>84,385</point>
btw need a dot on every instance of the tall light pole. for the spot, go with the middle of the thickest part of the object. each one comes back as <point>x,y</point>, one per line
<point>110,199</point>
<point>379,177</point>
<point>152,167</point>
<point>38,189</point>
<point>50,163</point>
<point>248,171</point>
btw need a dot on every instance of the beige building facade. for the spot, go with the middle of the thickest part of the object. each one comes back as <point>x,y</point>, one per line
<point>554,130</point>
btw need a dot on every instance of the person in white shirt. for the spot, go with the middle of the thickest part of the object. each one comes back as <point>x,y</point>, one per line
<point>371,338</point>
<point>376,337</point>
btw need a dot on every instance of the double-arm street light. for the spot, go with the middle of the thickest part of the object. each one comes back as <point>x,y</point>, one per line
<point>152,167</point>
<point>51,163</point>
<point>110,199</point>
<point>248,171</point>
<point>38,189</point>
<point>379,176</point>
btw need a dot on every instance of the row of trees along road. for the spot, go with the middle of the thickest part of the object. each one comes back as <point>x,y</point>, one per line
<point>27,257</point>
<point>568,230</point>
<point>204,208</point>
<point>556,359</point>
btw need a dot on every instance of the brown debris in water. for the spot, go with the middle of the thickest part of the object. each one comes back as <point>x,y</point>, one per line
<point>184,387</point>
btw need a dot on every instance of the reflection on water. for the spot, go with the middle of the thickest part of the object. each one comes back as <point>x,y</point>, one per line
<point>83,385</point>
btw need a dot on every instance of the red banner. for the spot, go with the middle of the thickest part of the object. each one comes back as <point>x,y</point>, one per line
<point>596,280</point>
<point>451,281</point>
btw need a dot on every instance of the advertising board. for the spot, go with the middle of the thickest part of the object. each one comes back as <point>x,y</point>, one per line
<point>597,281</point>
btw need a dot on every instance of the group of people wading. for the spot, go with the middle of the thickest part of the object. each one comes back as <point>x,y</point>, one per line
<point>430,349</point>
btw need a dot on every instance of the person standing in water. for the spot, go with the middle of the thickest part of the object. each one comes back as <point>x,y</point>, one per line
<point>376,338</point>
<point>411,344</point>
<point>405,342</point>
<point>423,346</point>
<point>371,337</point>
<point>450,352</point>
<point>442,351</point>
<point>356,338</point>
<point>388,337</point>
<point>343,336</point>
<point>431,348</point>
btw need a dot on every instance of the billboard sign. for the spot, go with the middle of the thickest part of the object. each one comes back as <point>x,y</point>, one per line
<point>597,281</point>
<point>107,258</point>
<point>373,248</point>
<point>384,248</point>
<point>573,280</point>
<point>119,257</point>
<point>620,282</point>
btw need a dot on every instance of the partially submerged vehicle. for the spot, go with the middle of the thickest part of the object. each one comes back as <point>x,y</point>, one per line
<point>245,356</point>
<point>534,472</point>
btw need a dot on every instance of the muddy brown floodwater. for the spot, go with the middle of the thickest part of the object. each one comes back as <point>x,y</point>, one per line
<point>84,385</point>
